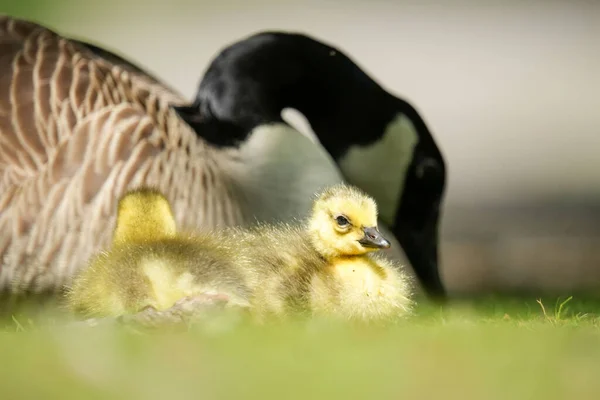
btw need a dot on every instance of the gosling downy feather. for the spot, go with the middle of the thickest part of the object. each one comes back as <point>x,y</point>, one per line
<point>325,265</point>
<point>356,283</point>
<point>379,141</point>
<point>151,265</point>
<point>79,126</point>
<point>276,270</point>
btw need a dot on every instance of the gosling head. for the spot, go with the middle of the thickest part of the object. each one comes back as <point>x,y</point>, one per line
<point>344,223</point>
<point>143,214</point>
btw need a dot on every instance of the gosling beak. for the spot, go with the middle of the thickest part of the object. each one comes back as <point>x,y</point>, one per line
<point>374,239</point>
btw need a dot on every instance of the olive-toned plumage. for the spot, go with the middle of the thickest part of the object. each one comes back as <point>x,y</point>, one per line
<point>320,267</point>
<point>151,265</point>
<point>144,214</point>
<point>79,127</point>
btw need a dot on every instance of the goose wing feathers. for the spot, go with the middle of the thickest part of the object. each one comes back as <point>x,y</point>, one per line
<point>78,126</point>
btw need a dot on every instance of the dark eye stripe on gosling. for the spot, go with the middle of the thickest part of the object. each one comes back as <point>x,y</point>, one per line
<point>380,142</point>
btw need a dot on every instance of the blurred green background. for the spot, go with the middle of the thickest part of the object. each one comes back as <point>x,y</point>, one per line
<point>508,88</point>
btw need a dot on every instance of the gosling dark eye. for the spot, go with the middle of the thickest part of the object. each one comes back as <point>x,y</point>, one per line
<point>342,221</point>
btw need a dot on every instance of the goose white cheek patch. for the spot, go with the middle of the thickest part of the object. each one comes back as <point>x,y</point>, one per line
<point>380,169</point>
<point>299,122</point>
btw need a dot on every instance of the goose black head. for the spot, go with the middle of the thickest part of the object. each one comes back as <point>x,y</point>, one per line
<point>380,142</point>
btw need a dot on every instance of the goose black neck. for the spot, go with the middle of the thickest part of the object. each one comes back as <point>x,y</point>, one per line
<point>252,81</point>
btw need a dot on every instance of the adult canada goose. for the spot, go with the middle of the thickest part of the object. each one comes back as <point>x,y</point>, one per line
<point>379,141</point>
<point>79,125</point>
<point>324,266</point>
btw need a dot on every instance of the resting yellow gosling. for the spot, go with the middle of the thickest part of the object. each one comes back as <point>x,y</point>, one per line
<point>347,280</point>
<point>322,267</point>
<point>151,265</point>
<point>357,283</point>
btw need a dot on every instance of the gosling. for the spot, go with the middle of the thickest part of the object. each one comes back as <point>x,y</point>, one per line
<point>356,283</point>
<point>326,265</point>
<point>152,266</point>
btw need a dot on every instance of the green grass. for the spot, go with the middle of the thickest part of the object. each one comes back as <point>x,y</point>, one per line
<point>494,348</point>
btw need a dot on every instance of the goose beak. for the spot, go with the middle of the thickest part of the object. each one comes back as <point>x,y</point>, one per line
<point>374,239</point>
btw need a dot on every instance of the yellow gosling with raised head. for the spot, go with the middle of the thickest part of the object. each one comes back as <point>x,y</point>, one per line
<point>356,283</point>
<point>325,266</point>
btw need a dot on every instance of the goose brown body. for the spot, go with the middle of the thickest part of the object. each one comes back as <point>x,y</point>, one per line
<point>78,129</point>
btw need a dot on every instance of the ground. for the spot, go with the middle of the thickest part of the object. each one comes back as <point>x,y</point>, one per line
<point>496,348</point>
